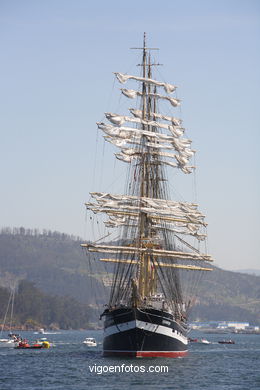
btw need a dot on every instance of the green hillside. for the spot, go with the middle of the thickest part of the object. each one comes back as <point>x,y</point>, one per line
<point>56,264</point>
<point>229,296</point>
<point>54,261</point>
<point>34,309</point>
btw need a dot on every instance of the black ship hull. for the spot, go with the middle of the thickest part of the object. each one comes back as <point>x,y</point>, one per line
<point>136,332</point>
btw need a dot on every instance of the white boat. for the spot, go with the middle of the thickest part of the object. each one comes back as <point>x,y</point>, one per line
<point>90,342</point>
<point>42,331</point>
<point>8,343</point>
<point>203,341</point>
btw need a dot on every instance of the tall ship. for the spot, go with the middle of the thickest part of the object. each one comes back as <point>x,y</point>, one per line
<point>160,252</point>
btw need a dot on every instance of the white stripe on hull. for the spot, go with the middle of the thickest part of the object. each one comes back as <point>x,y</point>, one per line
<point>147,326</point>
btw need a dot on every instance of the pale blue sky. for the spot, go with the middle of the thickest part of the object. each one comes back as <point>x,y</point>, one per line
<point>57,60</point>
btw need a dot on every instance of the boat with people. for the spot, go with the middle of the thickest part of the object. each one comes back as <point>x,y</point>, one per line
<point>38,344</point>
<point>155,246</point>
<point>226,342</point>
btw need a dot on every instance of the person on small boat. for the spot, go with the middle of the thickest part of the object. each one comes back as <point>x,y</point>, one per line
<point>24,344</point>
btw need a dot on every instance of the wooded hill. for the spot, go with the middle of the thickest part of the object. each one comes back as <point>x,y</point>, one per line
<point>33,309</point>
<point>57,266</point>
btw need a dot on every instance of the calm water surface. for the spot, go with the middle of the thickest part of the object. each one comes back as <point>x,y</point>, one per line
<point>68,365</point>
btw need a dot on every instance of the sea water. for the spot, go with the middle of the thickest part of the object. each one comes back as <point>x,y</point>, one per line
<point>71,365</point>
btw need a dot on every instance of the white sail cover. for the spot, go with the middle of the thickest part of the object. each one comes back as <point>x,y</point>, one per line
<point>148,134</point>
<point>148,205</point>
<point>189,229</point>
<point>121,136</point>
<point>181,163</point>
<point>131,93</point>
<point>125,132</point>
<point>129,158</point>
<point>133,151</point>
<point>119,120</point>
<point>122,78</point>
<point>173,120</point>
<point>181,217</point>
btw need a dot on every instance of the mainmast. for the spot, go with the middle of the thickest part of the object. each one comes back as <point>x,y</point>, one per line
<point>146,276</point>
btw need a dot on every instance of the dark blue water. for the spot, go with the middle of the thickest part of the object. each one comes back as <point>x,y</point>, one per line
<point>67,366</point>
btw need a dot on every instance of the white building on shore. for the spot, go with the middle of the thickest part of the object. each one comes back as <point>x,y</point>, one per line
<point>232,324</point>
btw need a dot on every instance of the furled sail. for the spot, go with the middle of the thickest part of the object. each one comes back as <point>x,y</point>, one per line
<point>122,78</point>
<point>119,120</point>
<point>121,136</point>
<point>173,120</point>
<point>174,212</point>
<point>181,162</point>
<point>132,94</point>
<point>124,132</point>
<point>155,252</point>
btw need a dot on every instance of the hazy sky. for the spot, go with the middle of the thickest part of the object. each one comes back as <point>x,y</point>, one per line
<point>57,60</point>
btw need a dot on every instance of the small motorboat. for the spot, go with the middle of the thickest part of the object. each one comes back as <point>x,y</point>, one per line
<point>7,343</point>
<point>90,342</point>
<point>226,342</point>
<point>40,331</point>
<point>203,341</point>
<point>12,341</point>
